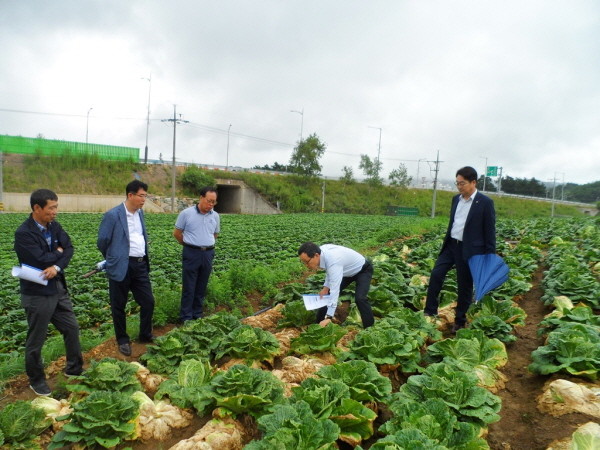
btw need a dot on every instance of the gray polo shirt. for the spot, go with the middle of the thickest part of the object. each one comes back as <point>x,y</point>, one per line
<point>198,229</point>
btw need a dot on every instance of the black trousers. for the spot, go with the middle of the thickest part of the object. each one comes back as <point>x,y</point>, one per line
<point>363,284</point>
<point>137,281</point>
<point>196,269</point>
<point>450,257</point>
<point>42,310</point>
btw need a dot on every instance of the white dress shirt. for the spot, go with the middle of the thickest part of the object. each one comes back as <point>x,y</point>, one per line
<point>460,216</point>
<point>338,262</point>
<point>137,243</point>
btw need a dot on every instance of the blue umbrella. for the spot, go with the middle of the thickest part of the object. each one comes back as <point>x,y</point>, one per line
<point>489,271</point>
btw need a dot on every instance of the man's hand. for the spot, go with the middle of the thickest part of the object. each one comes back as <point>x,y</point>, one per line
<point>324,291</point>
<point>49,273</point>
<point>325,322</point>
<point>60,249</point>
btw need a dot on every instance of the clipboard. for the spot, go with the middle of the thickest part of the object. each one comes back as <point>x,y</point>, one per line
<point>313,301</point>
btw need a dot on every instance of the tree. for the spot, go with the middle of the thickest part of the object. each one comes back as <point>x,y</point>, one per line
<point>305,158</point>
<point>371,170</point>
<point>194,179</point>
<point>489,184</point>
<point>277,167</point>
<point>399,177</point>
<point>348,177</point>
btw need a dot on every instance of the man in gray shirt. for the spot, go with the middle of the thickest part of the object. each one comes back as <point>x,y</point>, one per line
<point>197,228</point>
<point>343,266</point>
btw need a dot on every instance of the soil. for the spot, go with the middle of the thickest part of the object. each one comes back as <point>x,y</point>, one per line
<point>522,426</point>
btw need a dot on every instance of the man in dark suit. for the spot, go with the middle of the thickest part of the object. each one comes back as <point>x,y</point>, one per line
<point>42,243</point>
<point>471,231</point>
<point>123,241</point>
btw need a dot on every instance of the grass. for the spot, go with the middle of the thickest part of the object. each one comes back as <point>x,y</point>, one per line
<point>81,174</point>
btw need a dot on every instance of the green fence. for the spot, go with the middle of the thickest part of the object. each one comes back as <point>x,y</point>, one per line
<point>402,211</point>
<point>49,147</point>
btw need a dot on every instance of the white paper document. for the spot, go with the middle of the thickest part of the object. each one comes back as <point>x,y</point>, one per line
<point>313,301</point>
<point>29,273</point>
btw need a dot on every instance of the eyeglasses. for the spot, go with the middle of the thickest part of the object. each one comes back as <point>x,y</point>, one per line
<point>142,195</point>
<point>305,262</point>
<point>210,202</point>
<point>461,183</point>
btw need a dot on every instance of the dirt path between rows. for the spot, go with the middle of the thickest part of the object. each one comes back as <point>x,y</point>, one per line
<point>522,426</point>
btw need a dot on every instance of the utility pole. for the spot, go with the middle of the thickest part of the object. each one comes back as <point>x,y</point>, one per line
<point>562,188</point>
<point>175,120</point>
<point>147,118</point>
<point>435,177</point>
<point>323,198</point>
<point>553,193</point>
<point>499,180</point>
<point>227,160</point>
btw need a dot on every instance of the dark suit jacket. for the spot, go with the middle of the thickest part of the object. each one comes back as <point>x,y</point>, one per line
<point>32,249</point>
<point>479,236</point>
<point>113,242</point>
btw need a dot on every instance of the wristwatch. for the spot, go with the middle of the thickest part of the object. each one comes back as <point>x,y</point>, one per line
<point>327,316</point>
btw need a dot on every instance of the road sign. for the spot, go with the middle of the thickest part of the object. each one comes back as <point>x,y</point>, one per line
<point>492,171</point>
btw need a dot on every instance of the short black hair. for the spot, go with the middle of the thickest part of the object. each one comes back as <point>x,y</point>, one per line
<point>468,173</point>
<point>310,248</point>
<point>205,190</point>
<point>41,197</point>
<point>134,186</point>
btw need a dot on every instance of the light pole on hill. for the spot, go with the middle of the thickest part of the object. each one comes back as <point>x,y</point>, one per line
<point>301,120</point>
<point>147,118</point>
<point>87,125</point>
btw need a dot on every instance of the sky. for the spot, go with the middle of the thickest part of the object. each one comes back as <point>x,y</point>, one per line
<point>511,84</point>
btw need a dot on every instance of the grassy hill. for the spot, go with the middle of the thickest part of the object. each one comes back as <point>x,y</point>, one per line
<point>90,175</point>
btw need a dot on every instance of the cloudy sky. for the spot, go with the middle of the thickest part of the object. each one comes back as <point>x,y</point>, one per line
<point>513,83</point>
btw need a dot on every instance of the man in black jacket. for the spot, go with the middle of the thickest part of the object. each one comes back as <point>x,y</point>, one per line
<point>40,242</point>
<point>471,231</point>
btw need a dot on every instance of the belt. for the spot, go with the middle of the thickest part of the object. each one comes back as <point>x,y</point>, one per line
<point>137,258</point>
<point>197,247</point>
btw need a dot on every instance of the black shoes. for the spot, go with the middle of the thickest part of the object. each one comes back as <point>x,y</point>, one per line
<point>125,349</point>
<point>73,374</point>
<point>41,388</point>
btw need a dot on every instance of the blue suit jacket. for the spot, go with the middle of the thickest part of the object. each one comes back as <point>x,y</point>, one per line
<point>113,242</point>
<point>479,236</point>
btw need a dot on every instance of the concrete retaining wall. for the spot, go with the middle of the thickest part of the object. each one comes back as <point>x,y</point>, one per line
<point>19,202</point>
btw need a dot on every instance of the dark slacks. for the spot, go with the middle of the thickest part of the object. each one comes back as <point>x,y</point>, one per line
<point>363,284</point>
<point>450,257</point>
<point>42,310</point>
<point>197,266</point>
<point>137,281</point>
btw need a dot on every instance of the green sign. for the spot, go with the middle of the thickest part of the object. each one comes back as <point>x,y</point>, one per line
<point>492,171</point>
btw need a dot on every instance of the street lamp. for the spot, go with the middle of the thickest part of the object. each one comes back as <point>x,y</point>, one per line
<point>87,125</point>
<point>147,118</point>
<point>227,160</point>
<point>301,120</point>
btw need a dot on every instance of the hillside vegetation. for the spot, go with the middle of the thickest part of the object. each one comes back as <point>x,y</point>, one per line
<point>294,194</point>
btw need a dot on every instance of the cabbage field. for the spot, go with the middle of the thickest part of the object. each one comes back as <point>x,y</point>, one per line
<point>274,380</point>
